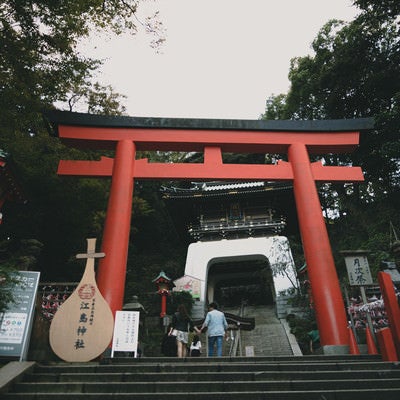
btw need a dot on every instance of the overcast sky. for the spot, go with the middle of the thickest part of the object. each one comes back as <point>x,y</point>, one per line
<point>221,58</point>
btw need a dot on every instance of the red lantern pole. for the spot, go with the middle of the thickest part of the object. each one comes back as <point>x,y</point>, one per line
<point>163,304</point>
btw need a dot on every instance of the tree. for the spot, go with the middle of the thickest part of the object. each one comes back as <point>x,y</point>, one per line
<point>21,255</point>
<point>8,280</point>
<point>40,62</point>
<point>41,66</point>
<point>354,73</point>
<point>381,9</point>
<point>275,107</point>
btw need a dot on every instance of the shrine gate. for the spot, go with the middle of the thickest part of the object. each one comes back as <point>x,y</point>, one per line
<point>296,139</point>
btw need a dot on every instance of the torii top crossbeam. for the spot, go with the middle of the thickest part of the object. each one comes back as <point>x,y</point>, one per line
<point>244,136</point>
<point>211,137</point>
<point>296,139</point>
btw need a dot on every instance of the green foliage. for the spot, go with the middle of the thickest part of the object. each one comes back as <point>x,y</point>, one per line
<point>275,107</point>
<point>300,327</point>
<point>20,254</point>
<point>41,66</point>
<point>302,322</point>
<point>364,228</point>
<point>354,73</point>
<point>60,212</point>
<point>8,278</point>
<point>380,8</point>
<point>152,342</point>
<point>15,255</point>
<point>151,302</point>
<point>178,298</point>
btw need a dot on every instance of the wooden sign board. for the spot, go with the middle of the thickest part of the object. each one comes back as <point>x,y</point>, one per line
<point>82,327</point>
<point>358,270</point>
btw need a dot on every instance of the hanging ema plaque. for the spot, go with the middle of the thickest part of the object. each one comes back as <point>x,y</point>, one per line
<point>82,327</point>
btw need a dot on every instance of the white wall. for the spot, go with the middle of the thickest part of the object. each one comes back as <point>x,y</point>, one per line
<point>275,249</point>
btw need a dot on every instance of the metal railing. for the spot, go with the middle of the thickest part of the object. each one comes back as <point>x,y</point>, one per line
<point>235,335</point>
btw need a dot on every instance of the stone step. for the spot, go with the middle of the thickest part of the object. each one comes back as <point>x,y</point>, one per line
<point>337,394</point>
<point>217,366</point>
<point>209,376</point>
<point>215,385</point>
<point>309,377</point>
<point>287,359</point>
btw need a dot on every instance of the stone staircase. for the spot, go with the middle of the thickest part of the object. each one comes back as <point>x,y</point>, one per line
<point>268,338</point>
<point>274,372</point>
<point>285,377</point>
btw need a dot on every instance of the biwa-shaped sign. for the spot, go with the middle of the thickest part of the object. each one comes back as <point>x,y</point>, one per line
<point>82,327</point>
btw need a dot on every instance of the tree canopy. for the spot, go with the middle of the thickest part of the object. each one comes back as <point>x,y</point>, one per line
<point>353,73</point>
<point>40,67</point>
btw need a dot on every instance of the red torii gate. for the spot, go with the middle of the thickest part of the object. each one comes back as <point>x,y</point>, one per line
<point>297,139</point>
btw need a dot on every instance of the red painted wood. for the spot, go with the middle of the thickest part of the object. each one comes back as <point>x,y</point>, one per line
<point>211,169</point>
<point>197,139</point>
<point>112,268</point>
<point>163,305</point>
<point>370,342</point>
<point>323,173</point>
<point>353,346</point>
<point>386,345</point>
<point>391,306</point>
<point>326,293</point>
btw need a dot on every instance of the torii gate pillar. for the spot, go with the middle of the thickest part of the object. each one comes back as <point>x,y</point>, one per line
<point>112,269</point>
<point>317,250</point>
<point>297,139</point>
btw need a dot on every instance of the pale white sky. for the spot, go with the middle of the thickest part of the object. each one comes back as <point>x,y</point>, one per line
<point>221,58</point>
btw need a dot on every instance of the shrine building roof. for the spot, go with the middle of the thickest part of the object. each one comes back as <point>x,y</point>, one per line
<point>222,188</point>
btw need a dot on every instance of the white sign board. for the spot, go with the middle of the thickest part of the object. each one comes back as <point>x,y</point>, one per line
<point>358,270</point>
<point>249,351</point>
<point>16,323</point>
<point>126,332</point>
